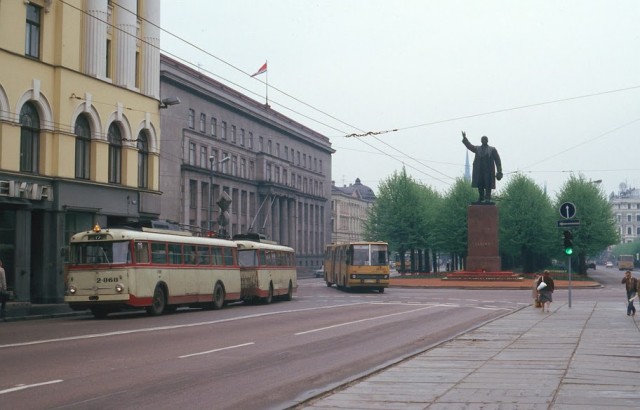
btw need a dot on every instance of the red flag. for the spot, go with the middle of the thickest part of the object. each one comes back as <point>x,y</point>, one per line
<point>262,69</point>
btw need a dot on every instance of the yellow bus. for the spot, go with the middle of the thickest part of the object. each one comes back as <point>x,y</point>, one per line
<point>267,270</point>
<point>113,269</point>
<point>357,265</point>
<point>625,262</point>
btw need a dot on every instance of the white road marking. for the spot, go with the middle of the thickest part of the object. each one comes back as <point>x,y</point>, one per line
<point>215,350</point>
<point>172,327</point>
<point>28,386</point>
<point>363,320</point>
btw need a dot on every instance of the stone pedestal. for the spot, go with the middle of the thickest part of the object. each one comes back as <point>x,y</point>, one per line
<point>482,240</point>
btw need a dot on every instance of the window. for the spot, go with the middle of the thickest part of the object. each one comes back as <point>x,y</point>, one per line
<point>260,144</point>
<point>115,153</point>
<point>214,126</point>
<point>251,140</point>
<point>32,41</point>
<point>628,230</point>
<point>225,168</point>
<point>638,218</point>
<point>277,149</point>
<point>298,158</point>
<point>203,122</point>
<point>203,157</point>
<point>107,70</point>
<point>321,167</point>
<point>243,168</point>
<point>83,147</point>
<point>193,193</point>
<point>192,153</point>
<point>233,134</point>
<point>267,176</point>
<point>628,218</point>
<point>224,130</point>
<point>252,170</point>
<point>143,160</point>
<point>286,153</point>
<point>269,147</point>
<point>204,188</point>
<point>29,138</point>
<point>234,165</point>
<point>242,137</point>
<point>304,160</point>
<point>192,118</point>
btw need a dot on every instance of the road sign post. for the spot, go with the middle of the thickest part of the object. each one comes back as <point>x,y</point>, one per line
<point>568,212</point>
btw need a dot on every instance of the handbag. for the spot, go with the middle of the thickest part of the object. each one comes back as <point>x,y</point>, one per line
<point>542,285</point>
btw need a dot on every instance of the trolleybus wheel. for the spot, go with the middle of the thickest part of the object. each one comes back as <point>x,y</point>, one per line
<point>289,294</point>
<point>381,290</point>
<point>267,300</point>
<point>159,302</point>
<point>329,284</point>
<point>218,297</point>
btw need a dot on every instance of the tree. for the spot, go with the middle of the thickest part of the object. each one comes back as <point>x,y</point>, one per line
<point>597,228</point>
<point>401,215</point>
<point>527,225</point>
<point>450,232</point>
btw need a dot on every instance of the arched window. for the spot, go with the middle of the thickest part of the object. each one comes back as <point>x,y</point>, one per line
<point>29,138</point>
<point>115,154</point>
<point>83,147</point>
<point>143,161</point>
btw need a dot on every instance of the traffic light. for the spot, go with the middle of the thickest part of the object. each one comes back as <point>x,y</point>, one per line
<point>568,242</point>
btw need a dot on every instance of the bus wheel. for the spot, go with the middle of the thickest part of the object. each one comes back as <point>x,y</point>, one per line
<point>218,297</point>
<point>159,302</point>
<point>267,300</point>
<point>99,312</point>
<point>329,284</point>
<point>289,294</point>
<point>381,290</point>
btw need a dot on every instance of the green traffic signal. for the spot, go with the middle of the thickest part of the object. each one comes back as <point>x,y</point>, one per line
<point>568,242</point>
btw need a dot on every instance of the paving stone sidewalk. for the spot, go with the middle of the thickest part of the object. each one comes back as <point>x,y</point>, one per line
<point>583,357</point>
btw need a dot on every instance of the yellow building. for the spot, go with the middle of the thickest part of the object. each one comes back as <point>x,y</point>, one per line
<point>79,129</point>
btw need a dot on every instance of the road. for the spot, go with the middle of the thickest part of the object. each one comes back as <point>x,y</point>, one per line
<point>265,356</point>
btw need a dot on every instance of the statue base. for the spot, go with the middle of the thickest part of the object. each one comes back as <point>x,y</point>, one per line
<point>482,240</point>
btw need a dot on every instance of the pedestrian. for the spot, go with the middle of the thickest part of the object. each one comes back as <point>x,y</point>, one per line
<point>4,293</point>
<point>631,284</point>
<point>534,291</point>
<point>545,292</point>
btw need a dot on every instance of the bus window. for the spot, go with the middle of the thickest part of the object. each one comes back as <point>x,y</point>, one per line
<point>175,254</point>
<point>228,257</point>
<point>379,255</point>
<point>121,252</point>
<point>189,254</point>
<point>262,257</point>
<point>204,258</point>
<point>217,255</point>
<point>142,252</point>
<point>361,255</point>
<point>159,253</point>
<point>247,258</point>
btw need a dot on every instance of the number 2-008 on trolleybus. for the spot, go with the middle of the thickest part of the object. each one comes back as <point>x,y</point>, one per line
<point>362,265</point>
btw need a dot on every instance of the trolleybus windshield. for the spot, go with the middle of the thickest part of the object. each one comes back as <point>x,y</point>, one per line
<point>100,253</point>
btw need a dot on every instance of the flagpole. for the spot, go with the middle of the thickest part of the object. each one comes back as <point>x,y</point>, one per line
<point>266,91</point>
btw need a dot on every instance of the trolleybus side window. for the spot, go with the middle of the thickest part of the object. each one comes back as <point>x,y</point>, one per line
<point>189,254</point>
<point>228,257</point>
<point>247,257</point>
<point>217,255</point>
<point>262,257</point>
<point>379,255</point>
<point>204,257</point>
<point>175,254</point>
<point>159,253</point>
<point>141,250</point>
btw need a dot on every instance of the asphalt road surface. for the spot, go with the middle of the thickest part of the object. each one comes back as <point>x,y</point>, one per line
<point>244,356</point>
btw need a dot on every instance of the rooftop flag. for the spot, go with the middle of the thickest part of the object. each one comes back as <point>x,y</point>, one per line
<point>262,70</point>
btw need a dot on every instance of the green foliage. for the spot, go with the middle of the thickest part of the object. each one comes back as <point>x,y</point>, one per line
<point>527,225</point>
<point>450,233</point>
<point>597,228</point>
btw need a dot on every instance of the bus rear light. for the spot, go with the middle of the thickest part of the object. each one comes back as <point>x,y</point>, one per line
<point>119,287</point>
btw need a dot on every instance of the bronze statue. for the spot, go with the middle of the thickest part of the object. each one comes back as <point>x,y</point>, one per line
<point>484,167</point>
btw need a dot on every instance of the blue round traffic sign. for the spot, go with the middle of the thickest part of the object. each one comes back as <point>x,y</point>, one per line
<point>567,210</point>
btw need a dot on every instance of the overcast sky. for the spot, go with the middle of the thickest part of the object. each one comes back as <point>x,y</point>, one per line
<point>555,85</point>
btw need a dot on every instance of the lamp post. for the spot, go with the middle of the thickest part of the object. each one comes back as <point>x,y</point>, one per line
<point>212,162</point>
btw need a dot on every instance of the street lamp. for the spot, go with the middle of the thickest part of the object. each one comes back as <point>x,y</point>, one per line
<point>211,161</point>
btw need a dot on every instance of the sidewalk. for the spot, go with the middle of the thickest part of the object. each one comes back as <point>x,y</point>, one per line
<point>583,357</point>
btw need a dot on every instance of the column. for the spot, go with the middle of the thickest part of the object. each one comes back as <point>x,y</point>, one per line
<point>275,231</point>
<point>95,38</point>
<point>125,38</point>
<point>286,221</point>
<point>150,80</point>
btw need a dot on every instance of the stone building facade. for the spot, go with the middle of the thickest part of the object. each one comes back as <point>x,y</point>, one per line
<point>349,211</point>
<point>273,173</point>
<point>626,210</point>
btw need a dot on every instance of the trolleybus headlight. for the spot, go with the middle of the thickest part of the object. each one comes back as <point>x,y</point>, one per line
<point>353,276</point>
<point>119,287</point>
<point>386,276</point>
<point>72,290</point>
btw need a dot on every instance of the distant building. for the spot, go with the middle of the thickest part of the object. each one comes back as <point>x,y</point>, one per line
<point>219,143</point>
<point>349,209</point>
<point>79,129</point>
<point>626,210</point>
